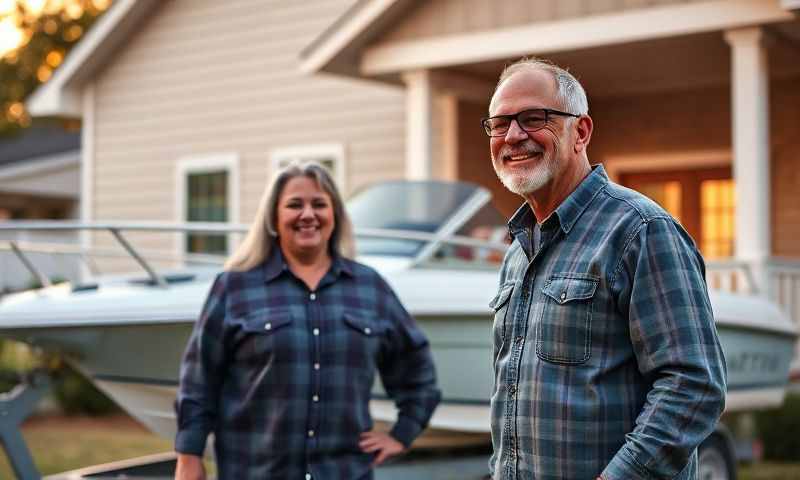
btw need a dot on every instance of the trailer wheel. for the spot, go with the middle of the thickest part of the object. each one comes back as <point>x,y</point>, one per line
<point>716,460</point>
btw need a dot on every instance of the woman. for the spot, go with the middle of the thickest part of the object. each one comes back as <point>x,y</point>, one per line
<point>283,357</point>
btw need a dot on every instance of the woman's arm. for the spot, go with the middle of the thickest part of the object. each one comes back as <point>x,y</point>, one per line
<point>201,374</point>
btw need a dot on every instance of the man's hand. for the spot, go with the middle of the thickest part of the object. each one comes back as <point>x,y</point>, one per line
<point>190,467</point>
<point>384,444</point>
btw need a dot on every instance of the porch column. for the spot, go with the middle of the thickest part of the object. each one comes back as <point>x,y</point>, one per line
<point>751,149</point>
<point>419,123</point>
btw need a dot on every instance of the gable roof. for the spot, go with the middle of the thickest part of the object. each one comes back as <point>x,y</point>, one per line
<point>60,96</point>
<point>336,49</point>
<point>345,47</point>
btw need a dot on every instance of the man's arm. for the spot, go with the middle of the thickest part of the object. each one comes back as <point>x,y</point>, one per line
<point>660,286</point>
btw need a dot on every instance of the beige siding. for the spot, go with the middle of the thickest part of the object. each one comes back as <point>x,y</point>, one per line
<point>205,77</point>
<point>670,125</point>
<point>448,17</point>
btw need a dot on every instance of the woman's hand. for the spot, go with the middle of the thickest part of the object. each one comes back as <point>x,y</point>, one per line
<point>190,467</point>
<point>384,444</point>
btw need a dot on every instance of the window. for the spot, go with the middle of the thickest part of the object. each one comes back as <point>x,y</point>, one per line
<point>207,192</point>
<point>702,200</point>
<point>207,201</point>
<point>330,156</point>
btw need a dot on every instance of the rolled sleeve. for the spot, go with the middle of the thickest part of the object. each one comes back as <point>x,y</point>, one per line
<point>661,286</point>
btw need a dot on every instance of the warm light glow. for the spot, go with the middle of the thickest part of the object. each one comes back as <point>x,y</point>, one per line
<point>74,10</point>
<point>54,58</point>
<point>101,4</point>
<point>16,110</point>
<point>10,36</point>
<point>43,73</point>
<point>6,6</point>
<point>36,6</point>
<point>73,33</point>
<point>50,26</point>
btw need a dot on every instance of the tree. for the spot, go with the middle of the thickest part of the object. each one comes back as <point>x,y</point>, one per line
<point>48,30</point>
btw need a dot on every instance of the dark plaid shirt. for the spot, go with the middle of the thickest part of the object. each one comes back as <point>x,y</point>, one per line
<point>282,375</point>
<point>606,354</point>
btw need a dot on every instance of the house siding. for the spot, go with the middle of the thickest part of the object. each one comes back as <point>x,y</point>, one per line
<point>670,125</point>
<point>451,17</point>
<point>205,77</point>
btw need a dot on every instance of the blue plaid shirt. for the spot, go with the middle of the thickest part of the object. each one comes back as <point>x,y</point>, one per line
<point>282,375</point>
<point>606,356</point>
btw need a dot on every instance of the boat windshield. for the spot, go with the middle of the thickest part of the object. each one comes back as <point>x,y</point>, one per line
<point>423,207</point>
<point>411,206</point>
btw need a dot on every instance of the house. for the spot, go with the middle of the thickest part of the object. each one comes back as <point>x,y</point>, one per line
<point>39,180</point>
<point>188,105</point>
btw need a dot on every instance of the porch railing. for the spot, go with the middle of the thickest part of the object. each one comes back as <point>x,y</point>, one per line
<point>781,285</point>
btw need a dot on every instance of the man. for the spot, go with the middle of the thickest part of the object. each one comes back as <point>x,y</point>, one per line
<point>607,360</point>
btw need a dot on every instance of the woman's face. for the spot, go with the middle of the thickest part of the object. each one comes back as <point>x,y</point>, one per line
<point>305,218</point>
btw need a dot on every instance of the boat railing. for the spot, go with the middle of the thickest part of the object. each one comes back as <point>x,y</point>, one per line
<point>17,236</point>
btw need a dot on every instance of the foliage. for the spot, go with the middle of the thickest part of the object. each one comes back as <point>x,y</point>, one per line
<point>778,430</point>
<point>49,29</point>
<point>76,395</point>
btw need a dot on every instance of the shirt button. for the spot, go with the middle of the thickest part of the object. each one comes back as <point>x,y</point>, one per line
<point>311,433</point>
<point>316,332</point>
<point>518,339</point>
<point>512,390</point>
<point>367,330</point>
<point>563,296</point>
<point>316,366</point>
<point>315,398</point>
<point>313,296</point>
<point>268,326</point>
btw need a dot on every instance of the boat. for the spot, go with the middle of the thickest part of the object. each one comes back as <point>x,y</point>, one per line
<point>439,245</point>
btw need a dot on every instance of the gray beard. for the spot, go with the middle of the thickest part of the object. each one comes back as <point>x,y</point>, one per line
<point>529,180</point>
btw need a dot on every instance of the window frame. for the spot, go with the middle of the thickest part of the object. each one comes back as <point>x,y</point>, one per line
<point>280,157</point>
<point>200,164</point>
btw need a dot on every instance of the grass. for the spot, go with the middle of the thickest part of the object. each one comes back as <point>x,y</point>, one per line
<point>59,444</point>
<point>770,471</point>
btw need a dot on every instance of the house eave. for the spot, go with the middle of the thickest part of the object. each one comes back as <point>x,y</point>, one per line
<point>61,95</point>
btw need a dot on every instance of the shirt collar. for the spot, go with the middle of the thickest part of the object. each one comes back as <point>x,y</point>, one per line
<point>570,210</point>
<point>276,265</point>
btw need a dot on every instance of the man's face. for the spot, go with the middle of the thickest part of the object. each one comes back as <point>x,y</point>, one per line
<point>527,161</point>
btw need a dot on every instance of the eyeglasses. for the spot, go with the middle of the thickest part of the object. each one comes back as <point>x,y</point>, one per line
<point>528,120</point>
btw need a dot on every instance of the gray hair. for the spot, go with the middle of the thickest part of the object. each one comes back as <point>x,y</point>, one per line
<point>569,91</point>
<point>263,234</point>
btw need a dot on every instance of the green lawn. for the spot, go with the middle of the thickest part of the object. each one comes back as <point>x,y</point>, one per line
<point>770,471</point>
<point>61,444</point>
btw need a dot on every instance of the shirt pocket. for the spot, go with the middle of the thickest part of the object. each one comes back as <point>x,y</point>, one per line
<point>563,333</point>
<point>263,332</point>
<point>361,340</point>
<point>499,305</point>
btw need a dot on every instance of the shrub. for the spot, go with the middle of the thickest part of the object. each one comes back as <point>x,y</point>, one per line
<point>778,430</point>
<point>76,395</point>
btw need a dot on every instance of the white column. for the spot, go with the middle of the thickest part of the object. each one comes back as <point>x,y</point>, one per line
<point>751,149</point>
<point>87,171</point>
<point>419,125</point>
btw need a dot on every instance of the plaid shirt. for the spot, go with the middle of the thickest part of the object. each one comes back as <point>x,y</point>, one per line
<point>606,357</point>
<point>282,375</point>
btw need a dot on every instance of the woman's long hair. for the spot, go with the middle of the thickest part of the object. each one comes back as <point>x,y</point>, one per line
<point>263,234</point>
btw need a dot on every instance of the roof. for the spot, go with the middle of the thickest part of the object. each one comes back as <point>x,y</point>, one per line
<point>61,95</point>
<point>36,142</point>
<point>346,46</point>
